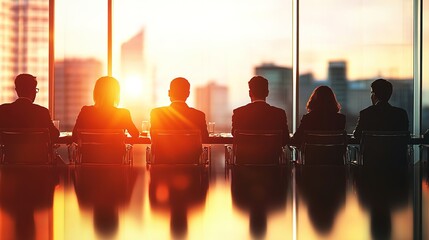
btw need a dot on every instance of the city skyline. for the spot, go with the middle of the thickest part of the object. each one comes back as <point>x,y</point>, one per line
<point>225,49</point>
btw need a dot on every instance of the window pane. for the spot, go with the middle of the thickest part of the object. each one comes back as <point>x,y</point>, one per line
<point>425,88</point>
<point>348,44</point>
<point>80,55</point>
<point>217,45</point>
<point>24,46</point>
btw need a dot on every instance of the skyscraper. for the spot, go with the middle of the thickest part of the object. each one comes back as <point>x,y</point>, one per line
<point>24,45</point>
<point>337,76</point>
<point>133,72</point>
<point>74,84</point>
<point>132,62</point>
<point>280,86</point>
<point>212,99</point>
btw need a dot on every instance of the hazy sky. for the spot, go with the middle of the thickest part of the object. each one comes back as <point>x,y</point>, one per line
<point>223,40</point>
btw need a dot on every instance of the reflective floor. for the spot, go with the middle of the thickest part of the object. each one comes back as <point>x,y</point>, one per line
<point>212,203</point>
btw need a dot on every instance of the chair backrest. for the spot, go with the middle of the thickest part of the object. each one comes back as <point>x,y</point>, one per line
<point>176,146</point>
<point>384,148</point>
<point>101,146</point>
<point>257,147</point>
<point>324,148</point>
<point>26,146</point>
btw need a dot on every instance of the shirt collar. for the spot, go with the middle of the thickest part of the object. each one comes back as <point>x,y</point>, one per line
<point>258,100</point>
<point>26,99</point>
<point>178,101</point>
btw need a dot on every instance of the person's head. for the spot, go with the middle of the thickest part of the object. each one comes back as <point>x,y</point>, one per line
<point>25,86</point>
<point>106,92</point>
<point>381,90</point>
<point>258,88</point>
<point>323,99</point>
<point>179,89</point>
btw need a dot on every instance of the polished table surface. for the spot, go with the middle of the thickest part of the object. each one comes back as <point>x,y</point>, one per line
<point>72,202</point>
<point>220,138</point>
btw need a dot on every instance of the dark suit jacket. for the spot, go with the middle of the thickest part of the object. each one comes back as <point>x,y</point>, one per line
<point>381,117</point>
<point>319,121</point>
<point>91,117</point>
<point>260,116</point>
<point>178,116</point>
<point>24,114</point>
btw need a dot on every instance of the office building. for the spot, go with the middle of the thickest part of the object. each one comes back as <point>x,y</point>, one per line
<point>132,62</point>
<point>337,77</point>
<point>134,79</point>
<point>74,84</point>
<point>212,99</point>
<point>24,35</point>
<point>280,86</point>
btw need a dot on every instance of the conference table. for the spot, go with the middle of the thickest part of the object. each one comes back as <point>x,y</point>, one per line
<point>222,138</point>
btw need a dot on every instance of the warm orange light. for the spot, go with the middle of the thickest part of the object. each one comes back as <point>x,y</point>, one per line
<point>132,87</point>
<point>162,193</point>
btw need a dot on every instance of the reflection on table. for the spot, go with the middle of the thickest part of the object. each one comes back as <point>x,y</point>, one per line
<point>24,193</point>
<point>323,190</point>
<point>382,193</point>
<point>260,191</point>
<point>175,190</point>
<point>103,190</point>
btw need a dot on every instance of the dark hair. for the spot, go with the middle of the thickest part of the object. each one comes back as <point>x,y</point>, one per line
<point>382,89</point>
<point>258,85</point>
<point>25,84</point>
<point>323,98</point>
<point>106,92</point>
<point>179,88</point>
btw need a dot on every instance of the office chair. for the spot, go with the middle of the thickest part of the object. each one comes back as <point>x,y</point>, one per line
<point>30,146</point>
<point>324,148</point>
<point>102,146</point>
<point>384,148</point>
<point>177,147</point>
<point>257,148</point>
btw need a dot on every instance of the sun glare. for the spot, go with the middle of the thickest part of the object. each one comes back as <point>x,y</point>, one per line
<point>132,87</point>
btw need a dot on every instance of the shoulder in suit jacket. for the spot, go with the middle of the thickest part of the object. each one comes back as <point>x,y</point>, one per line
<point>178,116</point>
<point>91,117</point>
<point>24,114</point>
<point>319,121</point>
<point>381,117</point>
<point>260,116</point>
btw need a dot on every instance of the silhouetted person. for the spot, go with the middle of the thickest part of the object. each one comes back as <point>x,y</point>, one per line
<point>104,189</point>
<point>259,191</point>
<point>24,191</point>
<point>104,114</point>
<point>175,190</point>
<point>323,190</point>
<point>179,116</point>
<point>381,116</point>
<point>323,114</point>
<point>23,113</point>
<point>259,115</point>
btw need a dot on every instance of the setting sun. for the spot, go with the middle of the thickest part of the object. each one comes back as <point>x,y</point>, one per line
<point>132,87</point>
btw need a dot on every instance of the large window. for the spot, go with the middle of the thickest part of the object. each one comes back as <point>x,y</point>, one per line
<point>80,55</point>
<point>24,42</point>
<point>348,44</point>
<point>425,67</point>
<point>217,45</point>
